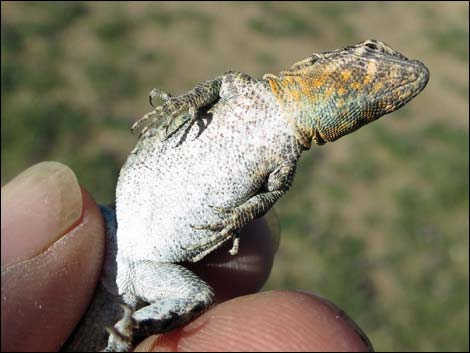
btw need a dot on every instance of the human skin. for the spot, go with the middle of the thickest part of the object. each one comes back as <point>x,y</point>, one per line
<point>52,252</point>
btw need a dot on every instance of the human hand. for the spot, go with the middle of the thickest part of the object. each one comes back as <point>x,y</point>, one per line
<point>52,253</point>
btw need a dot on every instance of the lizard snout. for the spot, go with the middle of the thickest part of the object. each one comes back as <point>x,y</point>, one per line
<point>422,72</point>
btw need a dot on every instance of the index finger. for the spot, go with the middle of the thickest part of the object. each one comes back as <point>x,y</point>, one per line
<point>245,273</point>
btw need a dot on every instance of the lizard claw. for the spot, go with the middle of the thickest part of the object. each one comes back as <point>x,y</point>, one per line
<point>222,210</point>
<point>230,220</point>
<point>149,116</point>
<point>121,334</point>
<point>210,226</point>
<point>235,245</point>
<point>158,93</point>
<point>155,115</point>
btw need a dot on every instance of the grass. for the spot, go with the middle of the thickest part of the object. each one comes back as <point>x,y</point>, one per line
<point>279,20</point>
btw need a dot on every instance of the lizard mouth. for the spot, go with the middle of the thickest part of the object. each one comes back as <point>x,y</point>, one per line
<point>423,76</point>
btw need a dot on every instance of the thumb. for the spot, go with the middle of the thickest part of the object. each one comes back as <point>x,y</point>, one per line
<point>52,248</point>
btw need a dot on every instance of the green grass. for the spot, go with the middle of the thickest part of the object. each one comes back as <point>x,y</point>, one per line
<point>453,40</point>
<point>167,20</point>
<point>279,20</point>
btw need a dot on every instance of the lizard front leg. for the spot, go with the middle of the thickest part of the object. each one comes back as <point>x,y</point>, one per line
<point>233,219</point>
<point>203,94</point>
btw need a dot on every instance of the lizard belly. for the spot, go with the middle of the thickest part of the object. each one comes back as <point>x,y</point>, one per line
<point>172,185</point>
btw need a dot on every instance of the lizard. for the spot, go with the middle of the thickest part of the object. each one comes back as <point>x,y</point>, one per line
<point>209,161</point>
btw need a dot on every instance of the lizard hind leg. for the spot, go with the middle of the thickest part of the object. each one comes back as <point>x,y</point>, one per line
<point>232,221</point>
<point>179,296</point>
<point>173,294</point>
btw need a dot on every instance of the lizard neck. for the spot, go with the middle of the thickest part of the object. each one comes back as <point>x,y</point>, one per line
<point>295,96</point>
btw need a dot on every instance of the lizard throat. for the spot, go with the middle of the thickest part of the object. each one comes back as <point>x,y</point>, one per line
<point>303,126</point>
<point>306,136</point>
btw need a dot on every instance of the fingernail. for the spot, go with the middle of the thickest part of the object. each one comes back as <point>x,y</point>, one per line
<point>340,314</point>
<point>38,206</point>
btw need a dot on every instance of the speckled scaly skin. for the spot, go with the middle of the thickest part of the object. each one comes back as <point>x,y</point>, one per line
<point>210,161</point>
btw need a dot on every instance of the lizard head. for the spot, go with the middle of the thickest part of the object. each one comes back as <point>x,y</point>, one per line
<point>340,91</point>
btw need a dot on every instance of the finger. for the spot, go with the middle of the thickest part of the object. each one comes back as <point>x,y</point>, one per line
<point>38,206</point>
<point>269,321</point>
<point>247,271</point>
<point>45,294</point>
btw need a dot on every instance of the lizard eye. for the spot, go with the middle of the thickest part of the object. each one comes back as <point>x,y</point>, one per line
<point>372,46</point>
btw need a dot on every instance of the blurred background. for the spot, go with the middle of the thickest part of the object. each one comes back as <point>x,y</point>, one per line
<point>377,221</point>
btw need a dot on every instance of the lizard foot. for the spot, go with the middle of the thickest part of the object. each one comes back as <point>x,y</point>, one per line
<point>145,119</point>
<point>228,227</point>
<point>233,219</point>
<point>164,115</point>
<point>158,93</point>
<point>121,335</point>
